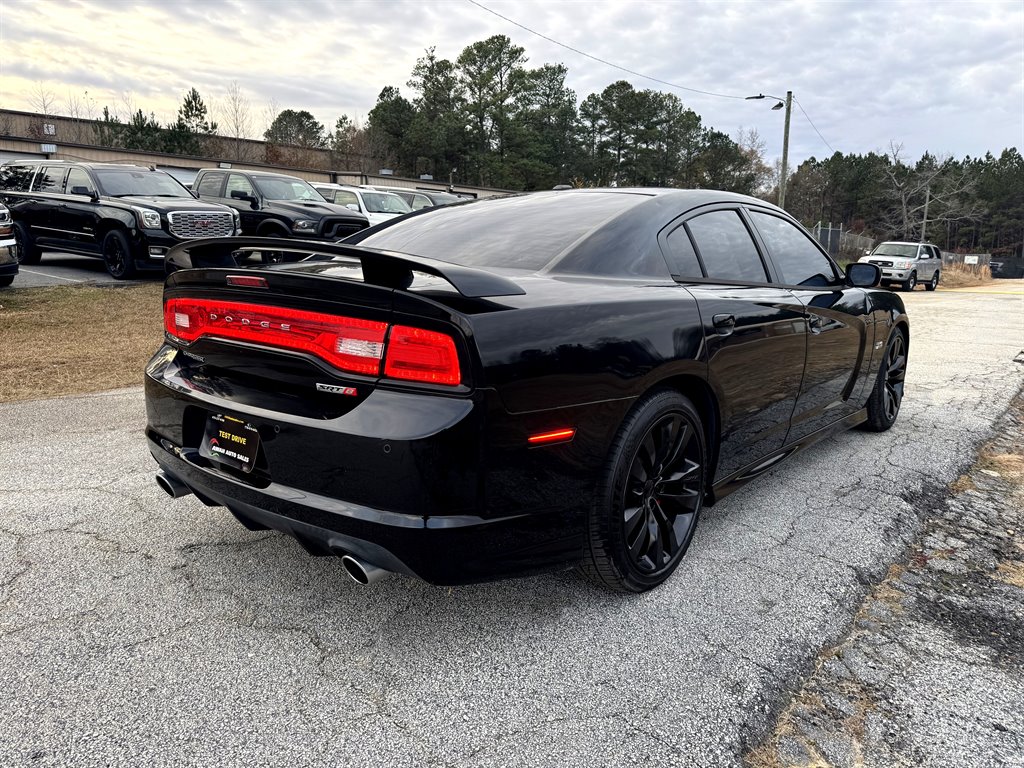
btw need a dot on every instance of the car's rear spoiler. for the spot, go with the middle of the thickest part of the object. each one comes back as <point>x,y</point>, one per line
<point>383,268</point>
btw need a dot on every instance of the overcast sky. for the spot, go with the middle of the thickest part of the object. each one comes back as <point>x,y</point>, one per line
<point>946,77</point>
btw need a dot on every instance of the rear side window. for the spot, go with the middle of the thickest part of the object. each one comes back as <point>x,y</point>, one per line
<point>726,248</point>
<point>49,179</point>
<point>210,185</point>
<point>16,178</point>
<point>682,259</point>
<point>797,259</point>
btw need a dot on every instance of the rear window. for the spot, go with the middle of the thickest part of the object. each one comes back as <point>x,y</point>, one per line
<point>521,232</point>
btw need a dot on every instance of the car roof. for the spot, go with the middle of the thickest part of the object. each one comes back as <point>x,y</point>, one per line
<point>84,164</point>
<point>608,236</point>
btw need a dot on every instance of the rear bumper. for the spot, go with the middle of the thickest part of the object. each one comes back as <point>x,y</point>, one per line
<point>449,498</point>
<point>450,551</point>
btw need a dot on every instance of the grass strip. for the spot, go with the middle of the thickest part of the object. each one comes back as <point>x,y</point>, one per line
<point>75,339</point>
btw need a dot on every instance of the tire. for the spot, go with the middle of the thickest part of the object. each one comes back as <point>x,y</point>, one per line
<point>932,284</point>
<point>6,280</point>
<point>887,394</point>
<point>911,282</point>
<point>273,257</point>
<point>649,496</point>
<point>25,249</point>
<point>117,255</point>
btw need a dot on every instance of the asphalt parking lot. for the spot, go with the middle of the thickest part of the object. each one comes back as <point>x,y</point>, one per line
<point>67,269</point>
<point>140,630</point>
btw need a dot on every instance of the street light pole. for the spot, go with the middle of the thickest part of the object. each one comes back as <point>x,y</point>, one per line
<point>785,151</point>
<point>788,104</point>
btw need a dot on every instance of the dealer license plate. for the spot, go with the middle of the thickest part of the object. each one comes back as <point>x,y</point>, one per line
<point>230,441</point>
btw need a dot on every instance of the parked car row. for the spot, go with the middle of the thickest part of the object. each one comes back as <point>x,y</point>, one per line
<point>129,215</point>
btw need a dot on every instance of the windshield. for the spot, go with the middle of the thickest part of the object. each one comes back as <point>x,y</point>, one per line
<point>281,188</point>
<point>382,202</point>
<point>121,183</point>
<point>903,250</point>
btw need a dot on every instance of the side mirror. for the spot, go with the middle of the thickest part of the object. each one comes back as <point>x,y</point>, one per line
<point>237,194</point>
<point>352,207</point>
<point>859,275</point>
<point>85,192</point>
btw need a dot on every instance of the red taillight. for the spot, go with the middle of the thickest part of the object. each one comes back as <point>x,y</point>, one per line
<point>348,343</point>
<point>415,354</point>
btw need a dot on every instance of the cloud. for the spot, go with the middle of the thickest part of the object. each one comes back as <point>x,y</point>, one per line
<point>943,77</point>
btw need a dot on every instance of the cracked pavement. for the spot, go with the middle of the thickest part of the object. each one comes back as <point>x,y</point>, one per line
<point>135,629</point>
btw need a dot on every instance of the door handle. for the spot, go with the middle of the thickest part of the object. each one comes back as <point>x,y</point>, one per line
<point>724,324</point>
<point>816,323</point>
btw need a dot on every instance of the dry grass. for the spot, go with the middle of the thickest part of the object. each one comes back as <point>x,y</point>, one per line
<point>1011,572</point>
<point>964,276</point>
<point>75,339</point>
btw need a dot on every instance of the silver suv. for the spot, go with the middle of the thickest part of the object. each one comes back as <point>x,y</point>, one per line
<point>907,264</point>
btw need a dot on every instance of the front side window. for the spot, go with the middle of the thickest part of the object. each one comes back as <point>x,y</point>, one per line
<point>238,183</point>
<point>344,197</point>
<point>726,247</point>
<point>419,202</point>
<point>78,180</point>
<point>796,258</point>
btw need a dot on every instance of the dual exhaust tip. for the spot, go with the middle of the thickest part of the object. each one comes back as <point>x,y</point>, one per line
<point>360,572</point>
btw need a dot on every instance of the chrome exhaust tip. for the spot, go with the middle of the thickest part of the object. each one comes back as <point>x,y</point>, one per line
<point>362,573</point>
<point>171,485</point>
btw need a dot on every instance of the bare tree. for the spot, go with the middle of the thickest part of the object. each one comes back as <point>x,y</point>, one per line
<point>936,190</point>
<point>236,117</point>
<point>76,108</point>
<point>42,99</point>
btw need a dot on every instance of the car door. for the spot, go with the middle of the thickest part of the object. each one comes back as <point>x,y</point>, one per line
<point>47,184</point>
<point>932,260</point>
<point>754,334</point>
<point>840,329</point>
<point>77,215</point>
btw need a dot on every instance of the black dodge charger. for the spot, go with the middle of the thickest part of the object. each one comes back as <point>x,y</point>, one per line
<point>514,385</point>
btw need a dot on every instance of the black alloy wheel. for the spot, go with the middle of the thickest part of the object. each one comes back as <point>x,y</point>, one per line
<point>25,249</point>
<point>932,284</point>
<point>887,395</point>
<point>117,255</point>
<point>911,282</point>
<point>650,501</point>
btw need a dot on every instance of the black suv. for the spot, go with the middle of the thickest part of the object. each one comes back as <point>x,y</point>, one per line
<point>126,214</point>
<point>275,205</point>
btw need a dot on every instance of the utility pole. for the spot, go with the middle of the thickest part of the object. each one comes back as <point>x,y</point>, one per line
<point>785,141</point>
<point>927,198</point>
<point>785,151</point>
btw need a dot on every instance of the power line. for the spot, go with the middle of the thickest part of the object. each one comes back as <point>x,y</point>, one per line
<point>634,72</point>
<point>813,125</point>
<point>603,61</point>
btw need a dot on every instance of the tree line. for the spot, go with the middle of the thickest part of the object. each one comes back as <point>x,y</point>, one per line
<point>487,118</point>
<point>971,204</point>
